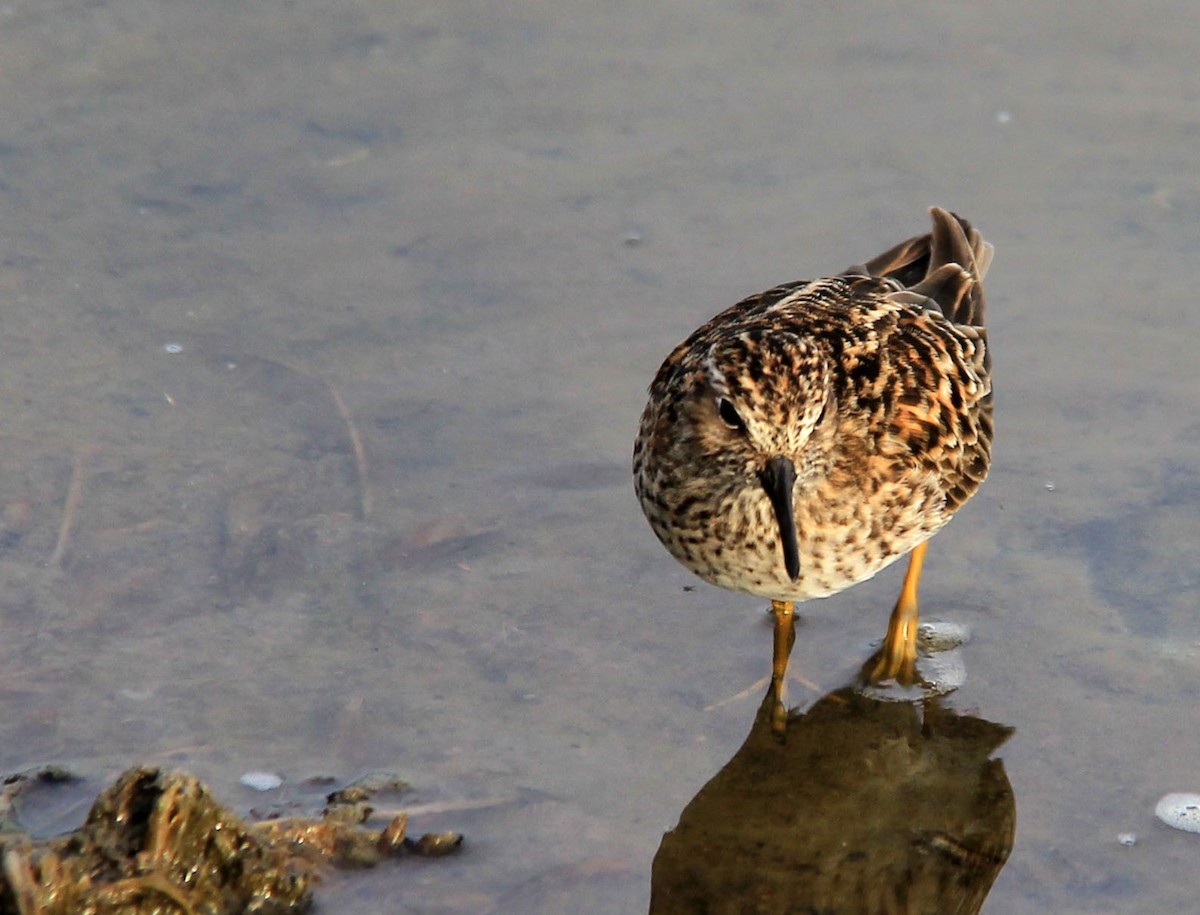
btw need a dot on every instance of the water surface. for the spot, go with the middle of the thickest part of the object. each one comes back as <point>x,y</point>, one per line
<point>470,234</point>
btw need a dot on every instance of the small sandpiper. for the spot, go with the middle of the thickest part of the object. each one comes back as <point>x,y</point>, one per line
<point>812,434</point>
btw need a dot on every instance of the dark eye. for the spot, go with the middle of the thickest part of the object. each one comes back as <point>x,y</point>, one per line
<point>730,415</point>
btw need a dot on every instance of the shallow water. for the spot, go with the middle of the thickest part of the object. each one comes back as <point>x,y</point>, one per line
<point>480,230</point>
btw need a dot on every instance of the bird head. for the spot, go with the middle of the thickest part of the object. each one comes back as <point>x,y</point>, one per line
<point>768,390</point>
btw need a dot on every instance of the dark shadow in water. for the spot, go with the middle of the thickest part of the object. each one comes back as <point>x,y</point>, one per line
<point>859,806</point>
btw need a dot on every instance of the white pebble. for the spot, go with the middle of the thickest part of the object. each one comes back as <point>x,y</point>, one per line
<point>1003,117</point>
<point>261,781</point>
<point>1050,487</point>
<point>173,348</point>
<point>1180,810</point>
<point>1127,839</point>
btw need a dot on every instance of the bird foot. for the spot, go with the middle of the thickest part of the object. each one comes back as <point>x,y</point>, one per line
<point>933,668</point>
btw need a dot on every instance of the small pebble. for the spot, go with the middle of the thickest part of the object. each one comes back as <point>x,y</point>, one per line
<point>942,635</point>
<point>1127,838</point>
<point>1050,487</point>
<point>436,844</point>
<point>633,238</point>
<point>1180,810</point>
<point>261,781</point>
<point>173,348</point>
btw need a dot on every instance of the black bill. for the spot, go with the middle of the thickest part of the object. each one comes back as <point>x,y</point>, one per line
<point>778,478</point>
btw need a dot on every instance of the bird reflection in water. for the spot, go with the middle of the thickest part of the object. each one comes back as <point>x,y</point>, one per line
<point>856,805</point>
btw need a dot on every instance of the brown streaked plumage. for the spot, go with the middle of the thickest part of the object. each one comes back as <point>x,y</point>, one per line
<point>812,434</point>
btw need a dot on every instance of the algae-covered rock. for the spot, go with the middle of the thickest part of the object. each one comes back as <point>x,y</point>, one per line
<point>158,843</point>
<point>152,843</point>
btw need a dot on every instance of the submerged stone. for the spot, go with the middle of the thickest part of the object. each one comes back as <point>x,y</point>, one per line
<point>1180,810</point>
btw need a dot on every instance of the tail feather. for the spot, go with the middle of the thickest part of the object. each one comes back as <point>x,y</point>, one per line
<point>956,241</point>
<point>907,262</point>
<point>945,267</point>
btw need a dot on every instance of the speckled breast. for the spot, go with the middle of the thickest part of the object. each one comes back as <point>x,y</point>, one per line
<point>843,538</point>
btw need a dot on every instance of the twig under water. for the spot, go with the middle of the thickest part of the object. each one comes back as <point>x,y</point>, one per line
<point>71,506</point>
<point>360,454</point>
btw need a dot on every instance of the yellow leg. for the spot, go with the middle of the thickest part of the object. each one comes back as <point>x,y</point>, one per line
<point>898,657</point>
<point>785,638</point>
